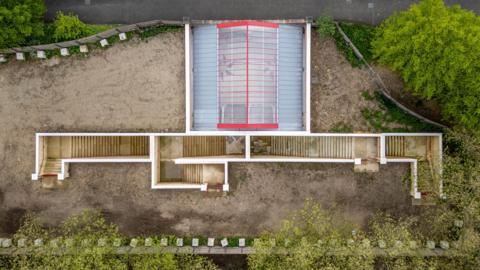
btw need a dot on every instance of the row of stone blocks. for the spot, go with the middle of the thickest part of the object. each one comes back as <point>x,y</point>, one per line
<point>102,242</point>
<point>63,51</point>
<point>134,242</point>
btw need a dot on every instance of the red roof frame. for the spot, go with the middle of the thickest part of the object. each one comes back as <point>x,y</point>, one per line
<point>269,126</point>
<point>244,23</point>
<point>247,125</point>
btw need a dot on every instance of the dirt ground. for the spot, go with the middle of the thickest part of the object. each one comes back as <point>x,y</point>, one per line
<point>262,195</point>
<point>336,88</point>
<point>138,86</point>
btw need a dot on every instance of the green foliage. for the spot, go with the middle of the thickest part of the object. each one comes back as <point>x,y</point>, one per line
<point>342,127</point>
<point>461,173</point>
<point>435,48</point>
<point>361,35</point>
<point>153,31</point>
<point>297,247</point>
<point>69,27</point>
<point>20,21</point>
<point>89,226</point>
<point>325,26</point>
<point>166,261</point>
<point>390,114</point>
<point>31,229</point>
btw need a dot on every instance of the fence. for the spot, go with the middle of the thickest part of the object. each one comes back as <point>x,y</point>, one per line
<point>90,39</point>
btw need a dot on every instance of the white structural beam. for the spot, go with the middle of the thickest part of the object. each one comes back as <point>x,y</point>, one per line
<point>188,78</point>
<point>308,33</point>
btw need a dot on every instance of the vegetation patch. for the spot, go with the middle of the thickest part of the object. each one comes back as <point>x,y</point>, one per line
<point>361,35</point>
<point>435,49</point>
<point>342,127</point>
<point>153,31</point>
<point>389,115</point>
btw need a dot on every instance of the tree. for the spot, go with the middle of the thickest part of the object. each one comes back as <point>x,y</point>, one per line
<point>20,20</point>
<point>89,226</point>
<point>297,246</point>
<point>68,27</point>
<point>435,49</point>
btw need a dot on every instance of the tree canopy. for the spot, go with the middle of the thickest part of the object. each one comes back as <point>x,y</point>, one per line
<point>20,20</point>
<point>436,50</point>
<point>88,227</point>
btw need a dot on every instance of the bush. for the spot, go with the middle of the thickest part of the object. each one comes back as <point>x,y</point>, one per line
<point>326,26</point>
<point>435,49</point>
<point>20,21</point>
<point>360,35</point>
<point>68,27</point>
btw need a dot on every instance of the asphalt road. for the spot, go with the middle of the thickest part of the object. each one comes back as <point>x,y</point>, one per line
<point>132,11</point>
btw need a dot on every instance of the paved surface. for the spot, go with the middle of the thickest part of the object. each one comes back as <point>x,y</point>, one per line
<point>128,11</point>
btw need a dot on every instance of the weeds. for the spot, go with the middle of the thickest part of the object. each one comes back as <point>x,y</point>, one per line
<point>325,26</point>
<point>388,114</point>
<point>153,31</point>
<point>342,127</point>
<point>361,35</point>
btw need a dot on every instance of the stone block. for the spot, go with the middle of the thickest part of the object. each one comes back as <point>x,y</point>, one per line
<point>102,242</point>
<point>195,242</point>
<point>241,242</point>
<point>21,243</point>
<point>179,242</point>
<point>103,42</point>
<point>430,244</point>
<point>6,243</point>
<point>444,245</point>
<point>117,242</point>
<point>148,242</point>
<point>382,244</point>
<point>20,56</point>
<point>83,48</point>
<point>64,52</point>
<point>211,242</point>
<point>224,242</point>
<point>133,243</point>
<point>38,242</point>
<point>41,54</point>
<point>164,242</point>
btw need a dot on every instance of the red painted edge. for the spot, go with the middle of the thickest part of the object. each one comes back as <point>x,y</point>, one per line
<point>245,23</point>
<point>223,125</point>
<point>246,71</point>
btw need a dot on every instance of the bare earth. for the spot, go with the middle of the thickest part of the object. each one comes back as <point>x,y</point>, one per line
<point>138,86</point>
<point>336,88</point>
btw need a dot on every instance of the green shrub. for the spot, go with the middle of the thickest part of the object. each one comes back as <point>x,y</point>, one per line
<point>361,36</point>
<point>20,21</point>
<point>389,113</point>
<point>436,50</point>
<point>153,31</point>
<point>325,26</point>
<point>68,27</point>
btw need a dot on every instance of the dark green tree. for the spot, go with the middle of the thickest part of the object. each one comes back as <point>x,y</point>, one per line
<point>20,21</point>
<point>436,50</point>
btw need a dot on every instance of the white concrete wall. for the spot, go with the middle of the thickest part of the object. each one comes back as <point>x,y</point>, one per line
<point>151,158</point>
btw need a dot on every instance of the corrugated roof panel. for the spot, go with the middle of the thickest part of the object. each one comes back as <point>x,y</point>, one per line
<point>290,76</point>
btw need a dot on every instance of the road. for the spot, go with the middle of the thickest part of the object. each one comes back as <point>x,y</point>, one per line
<point>132,11</point>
